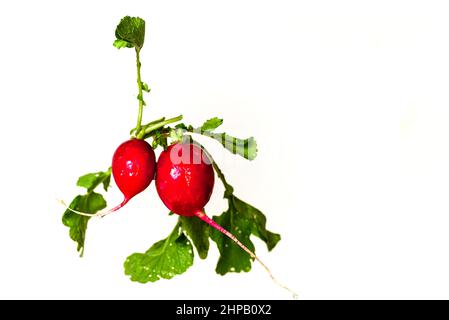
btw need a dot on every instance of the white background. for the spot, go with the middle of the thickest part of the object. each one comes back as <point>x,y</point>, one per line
<point>348,101</point>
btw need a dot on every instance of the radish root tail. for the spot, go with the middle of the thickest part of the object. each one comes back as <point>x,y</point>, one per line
<point>100,214</point>
<point>213,224</point>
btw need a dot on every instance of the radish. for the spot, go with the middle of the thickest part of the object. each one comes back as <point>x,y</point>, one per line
<point>133,169</point>
<point>185,181</point>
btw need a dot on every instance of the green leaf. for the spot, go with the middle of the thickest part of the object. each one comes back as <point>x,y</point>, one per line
<point>130,32</point>
<point>198,232</point>
<point>242,220</point>
<point>107,182</point>
<point>165,259</point>
<point>258,221</point>
<point>211,124</point>
<point>91,180</point>
<point>246,148</point>
<point>122,44</point>
<point>89,203</point>
<point>159,139</point>
<point>232,257</point>
<point>182,126</point>
<point>145,87</point>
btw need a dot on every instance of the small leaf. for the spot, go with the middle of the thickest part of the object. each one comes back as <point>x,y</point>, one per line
<point>165,259</point>
<point>211,124</point>
<point>107,182</point>
<point>89,203</point>
<point>198,232</point>
<point>140,98</point>
<point>122,44</point>
<point>145,87</point>
<point>130,32</point>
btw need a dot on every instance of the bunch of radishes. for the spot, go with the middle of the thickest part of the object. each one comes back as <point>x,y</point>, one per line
<point>184,175</point>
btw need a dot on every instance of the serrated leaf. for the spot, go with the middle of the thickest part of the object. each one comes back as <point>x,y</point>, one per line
<point>198,232</point>
<point>89,203</point>
<point>242,220</point>
<point>211,124</point>
<point>258,222</point>
<point>130,32</point>
<point>165,259</point>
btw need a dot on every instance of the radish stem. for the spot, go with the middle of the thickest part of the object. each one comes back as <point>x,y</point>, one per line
<point>213,224</point>
<point>140,96</point>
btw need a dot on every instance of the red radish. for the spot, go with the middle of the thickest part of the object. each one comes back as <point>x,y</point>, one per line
<point>133,169</point>
<point>185,181</point>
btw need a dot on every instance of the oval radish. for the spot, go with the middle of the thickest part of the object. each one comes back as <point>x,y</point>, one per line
<point>133,168</point>
<point>184,178</point>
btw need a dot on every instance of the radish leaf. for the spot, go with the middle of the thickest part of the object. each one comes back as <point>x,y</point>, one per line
<point>130,32</point>
<point>242,220</point>
<point>89,203</point>
<point>122,44</point>
<point>211,124</point>
<point>91,180</point>
<point>165,259</point>
<point>246,148</point>
<point>198,232</point>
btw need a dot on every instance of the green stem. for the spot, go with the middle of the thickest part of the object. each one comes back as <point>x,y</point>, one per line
<point>140,96</point>
<point>143,134</point>
<point>134,130</point>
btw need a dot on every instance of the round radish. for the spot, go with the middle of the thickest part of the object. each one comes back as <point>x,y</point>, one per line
<point>133,168</point>
<point>184,178</point>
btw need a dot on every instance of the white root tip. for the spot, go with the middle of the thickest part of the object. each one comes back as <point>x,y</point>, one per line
<point>99,214</point>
